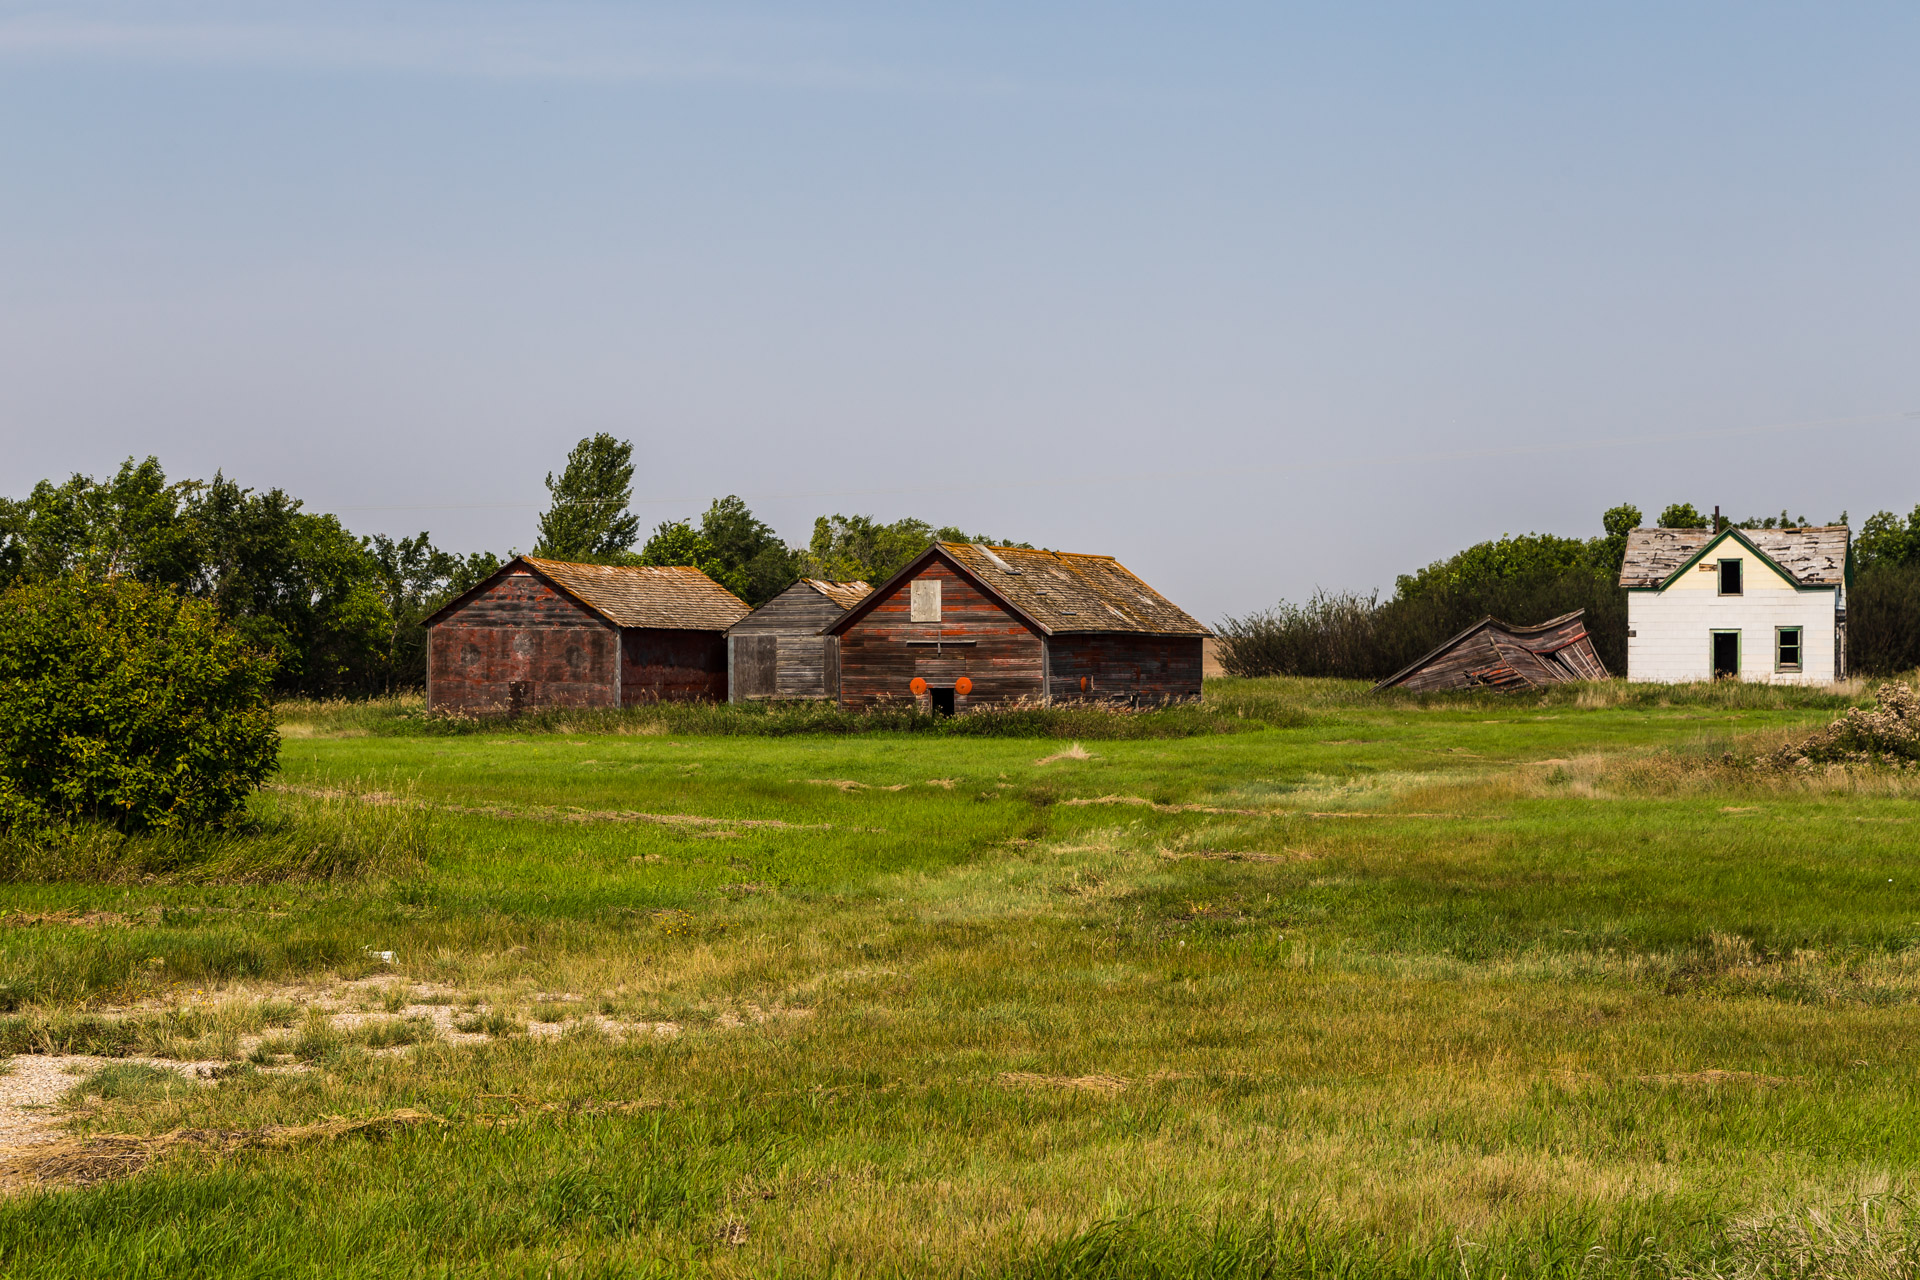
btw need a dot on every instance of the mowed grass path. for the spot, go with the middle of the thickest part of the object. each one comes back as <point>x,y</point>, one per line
<point>1489,988</point>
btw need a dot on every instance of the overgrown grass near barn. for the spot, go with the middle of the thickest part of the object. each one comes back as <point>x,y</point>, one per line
<point>1415,986</point>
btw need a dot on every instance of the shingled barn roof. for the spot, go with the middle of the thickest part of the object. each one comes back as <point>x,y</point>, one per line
<point>844,594</point>
<point>1497,655</point>
<point>1066,592</point>
<point>676,599</point>
<point>1815,556</point>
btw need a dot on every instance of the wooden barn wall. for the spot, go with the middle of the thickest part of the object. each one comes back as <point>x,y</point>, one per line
<point>1453,669</point>
<point>799,610</point>
<point>1125,668</point>
<point>523,633</point>
<point>661,665</point>
<point>800,670</point>
<point>788,628</point>
<point>877,664</point>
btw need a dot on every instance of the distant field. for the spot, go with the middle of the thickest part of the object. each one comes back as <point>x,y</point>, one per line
<point>1299,982</point>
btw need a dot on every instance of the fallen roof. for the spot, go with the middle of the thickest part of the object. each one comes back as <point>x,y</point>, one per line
<point>1496,654</point>
<point>844,594</point>
<point>1815,556</point>
<point>1066,592</point>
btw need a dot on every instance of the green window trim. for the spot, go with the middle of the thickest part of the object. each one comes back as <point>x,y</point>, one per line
<point>1780,647</point>
<point>1739,576</point>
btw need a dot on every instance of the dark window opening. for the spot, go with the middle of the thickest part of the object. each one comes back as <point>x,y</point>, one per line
<point>1729,577</point>
<point>942,701</point>
<point>1789,655</point>
<point>1726,654</point>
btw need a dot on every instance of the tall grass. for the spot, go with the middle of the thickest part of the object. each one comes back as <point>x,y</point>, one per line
<point>407,716</point>
<point>288,837</point>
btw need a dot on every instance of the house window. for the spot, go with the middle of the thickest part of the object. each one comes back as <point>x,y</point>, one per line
<point>1786,649</point>
<point>1726,655</point>
<point>924,600</point>
<point>1729,577</point>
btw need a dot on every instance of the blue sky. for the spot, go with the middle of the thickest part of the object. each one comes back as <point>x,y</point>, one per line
<point>1256,297</point>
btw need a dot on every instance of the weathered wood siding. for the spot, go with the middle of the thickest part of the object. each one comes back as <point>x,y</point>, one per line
<point>1004,660</point>
<point>1120,667</point>
<point>520,645</point>
<point>784,633</point>
<point>662,665</point>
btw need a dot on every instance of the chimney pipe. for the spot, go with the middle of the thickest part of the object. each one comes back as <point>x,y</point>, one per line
<point>1717,525</point>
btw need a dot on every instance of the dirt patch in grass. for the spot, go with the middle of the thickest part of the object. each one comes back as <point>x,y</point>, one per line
<point>1104,1085</point>
<point>81,1161</point>
<point>1074,752</point>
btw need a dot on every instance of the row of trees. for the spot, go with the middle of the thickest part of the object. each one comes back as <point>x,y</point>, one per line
<point>1533,577</point>
<point>588,522</point>
<point>341,614</point>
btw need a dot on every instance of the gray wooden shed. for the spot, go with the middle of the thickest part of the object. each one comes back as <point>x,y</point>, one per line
<point>780,650</point>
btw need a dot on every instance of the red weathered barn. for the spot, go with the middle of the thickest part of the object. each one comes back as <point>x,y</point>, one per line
<point>966,625</point>
<point>549,633</point>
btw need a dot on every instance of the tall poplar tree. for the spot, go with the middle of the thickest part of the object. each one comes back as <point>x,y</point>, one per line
<point>589,520</point>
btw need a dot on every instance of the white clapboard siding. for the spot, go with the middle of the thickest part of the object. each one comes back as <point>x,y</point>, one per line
<point>1671,631</point>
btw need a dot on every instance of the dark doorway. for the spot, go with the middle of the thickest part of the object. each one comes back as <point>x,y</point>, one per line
<point>1726,654</point>
<point>942,701</point>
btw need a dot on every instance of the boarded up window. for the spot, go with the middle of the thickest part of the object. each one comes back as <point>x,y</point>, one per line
<point>926,600</point>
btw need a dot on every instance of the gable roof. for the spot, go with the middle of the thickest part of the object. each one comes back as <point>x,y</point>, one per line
<point>677,598</point>
<point>1497,654</point>
<point>1815,556</point>
<point>844,594</point>
<point>1056,591</point>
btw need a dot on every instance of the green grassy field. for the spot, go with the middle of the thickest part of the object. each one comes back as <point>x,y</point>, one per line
<point>1304,982</point>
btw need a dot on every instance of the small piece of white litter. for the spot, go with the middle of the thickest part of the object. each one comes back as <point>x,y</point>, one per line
<point>385,957</point>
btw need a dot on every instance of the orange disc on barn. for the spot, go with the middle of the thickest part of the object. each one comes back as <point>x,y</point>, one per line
<point>963,686</point>
<point>918,686</point>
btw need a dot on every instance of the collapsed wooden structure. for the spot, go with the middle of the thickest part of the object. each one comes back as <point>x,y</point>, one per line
<point>1492,654</point>
<point>781,650</point>
<point>966,625</point>
<point>541,633</point>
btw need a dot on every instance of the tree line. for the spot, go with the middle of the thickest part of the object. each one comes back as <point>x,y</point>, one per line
<point>1532,577</point>
<point>342,615</point>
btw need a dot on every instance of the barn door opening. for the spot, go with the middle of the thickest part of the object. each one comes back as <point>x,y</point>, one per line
<point>1726,655</point>
<point>943,701</point>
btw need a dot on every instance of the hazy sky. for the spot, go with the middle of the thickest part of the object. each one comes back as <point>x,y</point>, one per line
<point>1255,297</point>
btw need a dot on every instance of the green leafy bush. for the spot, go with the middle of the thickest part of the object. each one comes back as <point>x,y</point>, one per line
<point>127,705</point>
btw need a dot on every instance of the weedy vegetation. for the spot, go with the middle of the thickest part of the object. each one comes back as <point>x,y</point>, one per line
<point>1301,981</point>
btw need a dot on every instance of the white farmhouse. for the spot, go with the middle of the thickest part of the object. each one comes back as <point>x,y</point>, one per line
<point>1746,604</point>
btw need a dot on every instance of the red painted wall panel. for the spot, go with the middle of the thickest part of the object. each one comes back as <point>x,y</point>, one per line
<point>877,664</point>
<point>522,644</point>
<point>1119,667</point>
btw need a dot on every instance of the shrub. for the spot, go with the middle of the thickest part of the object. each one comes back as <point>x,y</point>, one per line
<point>1330,635</point>
<point>1356,637</point>
<point>127,705</point>
<point>1888,733</point>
